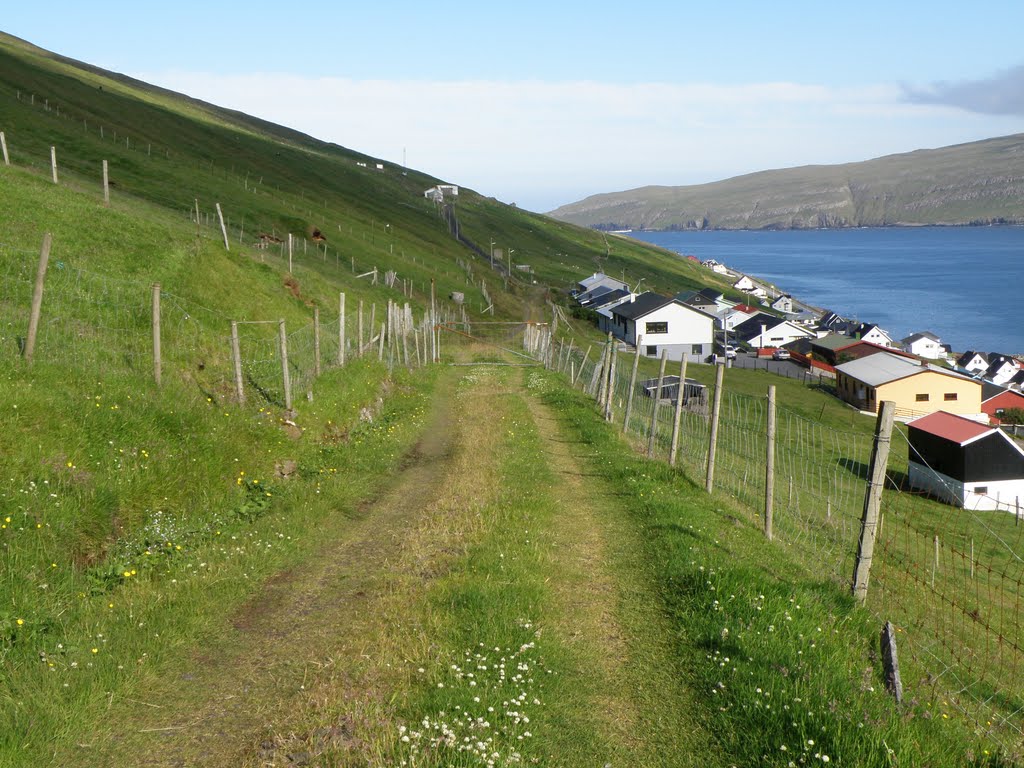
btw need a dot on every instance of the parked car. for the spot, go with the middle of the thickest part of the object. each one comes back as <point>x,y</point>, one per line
<point>780,354</point>
<point>729,351</point>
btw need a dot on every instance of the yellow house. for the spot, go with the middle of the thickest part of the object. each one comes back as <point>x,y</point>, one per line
<point>917,387</point>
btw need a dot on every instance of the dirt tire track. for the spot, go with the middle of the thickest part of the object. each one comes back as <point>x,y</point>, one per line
<point>298,623</point>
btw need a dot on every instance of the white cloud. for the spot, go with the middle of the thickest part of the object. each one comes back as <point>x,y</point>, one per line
<point>546,143</point>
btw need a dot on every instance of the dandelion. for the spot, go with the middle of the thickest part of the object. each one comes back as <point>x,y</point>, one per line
<point>20,622</point>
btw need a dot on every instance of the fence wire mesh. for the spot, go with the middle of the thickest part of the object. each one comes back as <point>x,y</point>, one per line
<point>949,578</point>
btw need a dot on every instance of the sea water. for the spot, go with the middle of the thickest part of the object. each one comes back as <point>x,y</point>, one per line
<point>964,284</point>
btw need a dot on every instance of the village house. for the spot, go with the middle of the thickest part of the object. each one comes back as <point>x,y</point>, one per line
<point>835,349</point>
<point>595,280</point>
<point>658,323</point>
<point>964,463</point>
<point>783,304</point>
<point>917,387</point>
<point>1001,369</point>
<point>606,298</point>
<point>995,400</point>
<point>744,284</point>
<point>764,330</point>
<point>605,321</point>
<point>924,344</point>
<point>874,334</point>
<point>733,317</point>
<point>706,299</point>
<point>973,362</point>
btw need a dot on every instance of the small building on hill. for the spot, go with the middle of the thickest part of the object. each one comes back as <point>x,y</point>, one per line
<point>695,393</point>
<point>965,463</point>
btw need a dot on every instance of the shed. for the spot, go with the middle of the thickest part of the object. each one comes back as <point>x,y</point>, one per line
<point>694,392</point>
<point>965,463</point>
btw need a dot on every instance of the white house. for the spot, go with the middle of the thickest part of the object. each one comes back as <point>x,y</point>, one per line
<point>662,323</point>
<point>924,344</point>
<point>764,330</point>
<point>874,334</point>
<point>965,463</point>
<point>973,362</point>
<point>738,314</point>
<point>1001,369</point>
<point>744,284</point>
<point>783,304</point>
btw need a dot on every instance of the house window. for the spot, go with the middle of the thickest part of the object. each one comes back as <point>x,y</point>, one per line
<point>981,490</point>
<point>698,349</point>
<point>657,328</point>
<point>652,350</point>
<point>922,398</point>
<point>949,396</point>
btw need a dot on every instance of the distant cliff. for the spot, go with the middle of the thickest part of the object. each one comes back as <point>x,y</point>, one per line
<point>977,183</point>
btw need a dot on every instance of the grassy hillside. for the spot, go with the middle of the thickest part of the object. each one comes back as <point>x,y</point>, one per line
<point>193,579</point>
<point>979,182</point>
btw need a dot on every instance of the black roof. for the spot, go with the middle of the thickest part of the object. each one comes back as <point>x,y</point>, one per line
<point>607,298</point>
<point>642,305</point>
<point>752,325</point>
<point>990,390</point>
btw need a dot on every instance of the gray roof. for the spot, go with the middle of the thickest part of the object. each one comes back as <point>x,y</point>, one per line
<point>883,367</point>
<point>922,335</point>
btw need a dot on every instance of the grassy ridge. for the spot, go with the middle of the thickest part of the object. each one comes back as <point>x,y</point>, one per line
<point>979,182</point>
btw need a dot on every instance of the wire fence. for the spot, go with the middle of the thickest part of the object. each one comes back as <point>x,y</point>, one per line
<point>949,578</point>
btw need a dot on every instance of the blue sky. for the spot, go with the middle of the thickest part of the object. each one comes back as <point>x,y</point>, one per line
<point>545,103</point>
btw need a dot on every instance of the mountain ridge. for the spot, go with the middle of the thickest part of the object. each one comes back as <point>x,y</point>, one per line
<point>980,182</point>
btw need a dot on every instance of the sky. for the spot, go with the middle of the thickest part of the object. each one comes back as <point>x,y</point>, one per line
<point>544,103</point>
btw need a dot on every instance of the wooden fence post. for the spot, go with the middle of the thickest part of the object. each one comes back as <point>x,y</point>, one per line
<point>3,146</point>
<point>341,329</point>
<point>716,413</point>
<point>286,377</point>
<point>677,420</point>
<point>37,298</point>
<point>602,376</point>
<point>236,356</point>
<point>106,184</point>
<point>872,499</point>
<point>769,467</point>
<point>360,329</point>
<point>290,253</point>
<point>223,229</point>
<point>583,364</point>
<point>316,341</point>
<point>157,361</point>
<point>433,320</point>
<point>632,387</point>
<point>610,394</point>
<point>657,404</point>
<point>380,344</point>
<point>53,163</point>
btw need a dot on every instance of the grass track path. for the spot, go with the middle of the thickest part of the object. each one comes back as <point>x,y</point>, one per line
<point>305,671</point>
<point>611,614</point>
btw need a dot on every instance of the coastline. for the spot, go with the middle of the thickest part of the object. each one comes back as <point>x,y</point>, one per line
<point>957,282</point>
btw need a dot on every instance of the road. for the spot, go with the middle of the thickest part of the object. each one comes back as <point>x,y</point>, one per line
<point>781,367</point>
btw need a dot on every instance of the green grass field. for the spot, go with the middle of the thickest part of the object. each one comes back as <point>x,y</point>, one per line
<point>163,545</point>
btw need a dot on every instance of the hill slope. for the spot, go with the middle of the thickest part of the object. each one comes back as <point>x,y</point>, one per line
<point>979,182</point>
